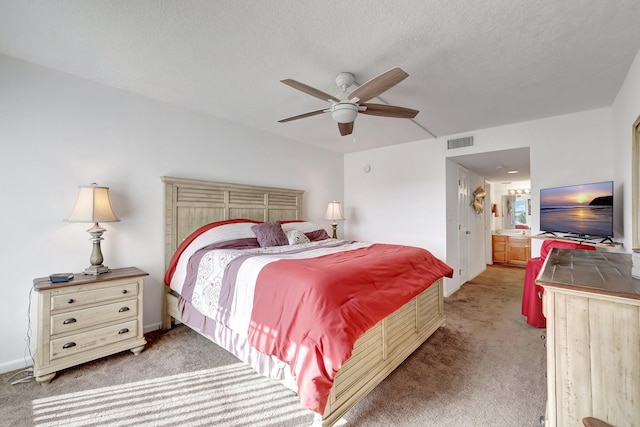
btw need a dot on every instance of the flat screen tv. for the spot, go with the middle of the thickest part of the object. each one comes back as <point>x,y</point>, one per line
<point>584,211</point>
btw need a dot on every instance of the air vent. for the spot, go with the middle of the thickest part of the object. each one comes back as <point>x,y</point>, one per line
<point>465,141</point>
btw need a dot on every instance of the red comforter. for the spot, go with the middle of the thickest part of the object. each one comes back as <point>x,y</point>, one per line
<point>310,312</point>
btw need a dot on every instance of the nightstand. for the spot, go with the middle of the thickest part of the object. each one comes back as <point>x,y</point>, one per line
<point>87,318</point>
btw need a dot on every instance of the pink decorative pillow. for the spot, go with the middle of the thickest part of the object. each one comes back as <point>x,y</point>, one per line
<point>296,237</point>
<point>270,234</point>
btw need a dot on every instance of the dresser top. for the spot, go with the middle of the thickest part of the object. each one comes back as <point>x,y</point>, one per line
<point>590,271</point>
<point>84,279</point>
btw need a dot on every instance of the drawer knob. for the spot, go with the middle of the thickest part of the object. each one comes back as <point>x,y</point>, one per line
<point>70,320</point>
<point>124,291</point>
<point>69,345</point>
<point>539,294</point>
<point>71,301</point>
<point>123,331</point>
<point>123,309</point>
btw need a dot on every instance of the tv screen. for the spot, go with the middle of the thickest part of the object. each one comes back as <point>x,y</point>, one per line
<point>583,210</point>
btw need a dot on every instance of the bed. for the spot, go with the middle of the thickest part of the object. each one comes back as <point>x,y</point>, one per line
<point>329,375</point>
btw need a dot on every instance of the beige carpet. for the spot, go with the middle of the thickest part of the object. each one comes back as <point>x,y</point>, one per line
<point>484,368</point>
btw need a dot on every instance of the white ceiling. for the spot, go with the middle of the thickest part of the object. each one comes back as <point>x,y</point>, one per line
<point>500,167</point>
<point>473,64</point>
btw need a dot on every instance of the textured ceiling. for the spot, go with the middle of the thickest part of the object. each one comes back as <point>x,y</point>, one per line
<point>501,167</point>
<point>473,64</point>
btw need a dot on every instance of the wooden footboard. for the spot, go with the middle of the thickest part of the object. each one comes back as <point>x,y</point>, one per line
<point>376,353</point>
<point>383,348</point>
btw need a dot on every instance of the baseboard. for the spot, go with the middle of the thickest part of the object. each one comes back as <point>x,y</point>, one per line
<point>450,292</point>
<point>152,327</point>
<point>14,365</point>
<point>156,326</point>
<point>450,287</point>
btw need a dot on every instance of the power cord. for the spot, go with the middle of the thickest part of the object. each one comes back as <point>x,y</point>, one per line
<point>28,370</point>
<point>30,377</point>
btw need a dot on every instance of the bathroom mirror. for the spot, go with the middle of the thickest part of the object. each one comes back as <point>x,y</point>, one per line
<point>520,211</point>
<point>508,212</point>
<point>515,210</point>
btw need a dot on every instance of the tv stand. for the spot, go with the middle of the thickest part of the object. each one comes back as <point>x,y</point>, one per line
<point>604,243</point>
<point>546,233</point>
<point>607,239</point>
<point>591,304</point>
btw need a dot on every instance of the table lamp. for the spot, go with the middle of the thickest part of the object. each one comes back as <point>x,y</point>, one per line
<point>93,205</point>
<point>334,213</point>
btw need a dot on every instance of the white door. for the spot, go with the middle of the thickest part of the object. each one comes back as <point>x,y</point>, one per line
<point>463,225</point>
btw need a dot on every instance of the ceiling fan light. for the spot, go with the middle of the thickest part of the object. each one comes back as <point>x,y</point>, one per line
<point>344,112</point>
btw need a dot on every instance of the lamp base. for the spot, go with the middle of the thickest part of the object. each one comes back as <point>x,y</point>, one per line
<point>96,267</point>
<point>334,225</point>
<point>96,270</point>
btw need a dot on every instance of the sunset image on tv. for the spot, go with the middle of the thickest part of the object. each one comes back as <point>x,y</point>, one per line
<point>585,210</point>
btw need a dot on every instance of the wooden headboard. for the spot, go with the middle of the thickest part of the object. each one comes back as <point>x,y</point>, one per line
<point>190,204</point>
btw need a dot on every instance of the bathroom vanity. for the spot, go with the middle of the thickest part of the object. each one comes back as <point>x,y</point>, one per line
<point>512,247</point>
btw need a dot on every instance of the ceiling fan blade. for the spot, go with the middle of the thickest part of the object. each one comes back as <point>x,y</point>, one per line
<point>389,111</point>
<point>302,116</point>
<point>379,84</point>
<point>310,90</point>
<point>345,128</point>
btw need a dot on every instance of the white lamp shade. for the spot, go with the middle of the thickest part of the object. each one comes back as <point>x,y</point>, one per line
<point>334,212</point>
<point>92,205</point>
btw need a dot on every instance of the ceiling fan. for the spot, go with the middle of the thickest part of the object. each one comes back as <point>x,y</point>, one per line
<point>344,111</point>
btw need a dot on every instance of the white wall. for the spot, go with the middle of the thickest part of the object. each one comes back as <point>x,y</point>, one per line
<point>403,199</point>
<point>58,131</point>
<point>626,110</point>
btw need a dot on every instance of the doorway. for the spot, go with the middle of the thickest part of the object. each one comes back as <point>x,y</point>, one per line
<point>473,250</point>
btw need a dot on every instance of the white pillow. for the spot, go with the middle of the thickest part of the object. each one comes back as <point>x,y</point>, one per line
<point>304,226</point>
<point>296,237</point>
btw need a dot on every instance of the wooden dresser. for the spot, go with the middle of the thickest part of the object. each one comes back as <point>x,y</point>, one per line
<point>87,318</point>
<point>592,306</point>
